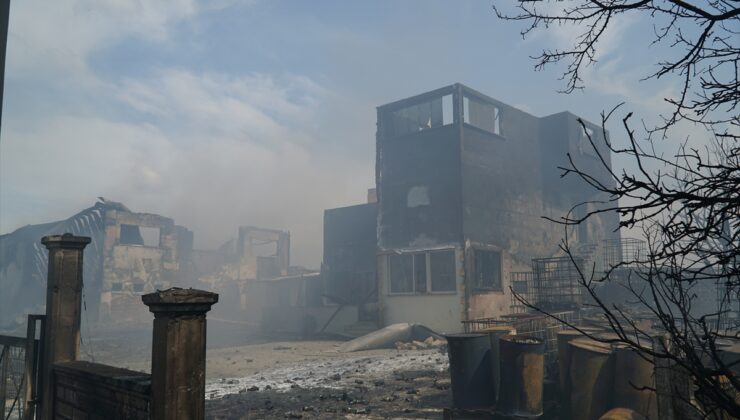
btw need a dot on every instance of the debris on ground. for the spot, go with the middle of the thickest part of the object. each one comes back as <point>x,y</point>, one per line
<point>413,383</point>
<point>429,343</point>
<point>386,338</point>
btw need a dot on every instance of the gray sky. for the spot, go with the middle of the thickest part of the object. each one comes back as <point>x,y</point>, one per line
<point>227,113</point>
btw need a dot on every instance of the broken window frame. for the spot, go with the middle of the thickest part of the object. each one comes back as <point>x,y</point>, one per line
<point>424,114</point>
<point>490,123</point>
<point>416,257</point>
<point>431,275</point>
<point>139,235</point>
<point>478,285</point>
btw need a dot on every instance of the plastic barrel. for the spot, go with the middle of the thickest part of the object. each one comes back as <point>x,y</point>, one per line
<point>522,375</point>
<point>592,379</point>
<point>470,370</point>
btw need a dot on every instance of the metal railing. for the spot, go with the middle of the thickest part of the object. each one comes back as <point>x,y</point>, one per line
<point>19,378</point>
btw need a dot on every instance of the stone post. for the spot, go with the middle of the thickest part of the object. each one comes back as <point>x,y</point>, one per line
<point>179,352</point>
<point>63,306</point>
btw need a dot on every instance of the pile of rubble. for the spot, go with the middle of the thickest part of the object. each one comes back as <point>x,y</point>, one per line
<point>429,343</point>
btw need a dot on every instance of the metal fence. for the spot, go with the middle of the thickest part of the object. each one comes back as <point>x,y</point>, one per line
<point>19,357</point>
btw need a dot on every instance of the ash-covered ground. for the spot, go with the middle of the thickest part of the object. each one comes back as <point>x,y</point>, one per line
<point>249,377</point>
<point>376,384</point>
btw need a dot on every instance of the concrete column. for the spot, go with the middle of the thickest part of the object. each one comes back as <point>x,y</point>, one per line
<point>179,352</point>
<point>63,299</point>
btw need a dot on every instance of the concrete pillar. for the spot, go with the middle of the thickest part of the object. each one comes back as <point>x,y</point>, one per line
<point>63,301</point>
<point>179,352</point>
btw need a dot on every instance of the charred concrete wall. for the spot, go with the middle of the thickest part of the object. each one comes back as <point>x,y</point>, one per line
<point>418,179</point>
<point>350,244</point>
<point>263,253</point>
<point>141,255</point>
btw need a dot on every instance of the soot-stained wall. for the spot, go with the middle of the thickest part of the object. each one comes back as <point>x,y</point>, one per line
<point>350,244</point>
<point>482,185</point>
<point>418,182</point>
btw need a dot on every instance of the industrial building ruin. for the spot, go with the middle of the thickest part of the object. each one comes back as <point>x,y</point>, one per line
<point>130,254</point>
<point>463,183</point>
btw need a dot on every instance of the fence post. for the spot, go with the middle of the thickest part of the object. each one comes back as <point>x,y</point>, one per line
<point>179,352</point>
<point>28,379</point>
<point>63,298</point>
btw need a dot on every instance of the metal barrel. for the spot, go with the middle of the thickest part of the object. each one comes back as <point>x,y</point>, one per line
<point>522,364</point>
<point>592,379</point>
<point>470,370</point>
<point>564,339</point>
<point>494,333</point>
<point>622,414</point>
<point>634,382</point>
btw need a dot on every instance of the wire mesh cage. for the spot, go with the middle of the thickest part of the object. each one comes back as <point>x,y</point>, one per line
<point>556,283</point>
<point>537,325</point>
<point>627,252</point>
<point>522,290</point>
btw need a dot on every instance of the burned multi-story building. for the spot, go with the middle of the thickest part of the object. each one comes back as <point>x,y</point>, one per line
<point>464,184</point>
<point>130,254</point>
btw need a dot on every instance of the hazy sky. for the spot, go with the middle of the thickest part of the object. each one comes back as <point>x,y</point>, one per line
<point>228,113</point>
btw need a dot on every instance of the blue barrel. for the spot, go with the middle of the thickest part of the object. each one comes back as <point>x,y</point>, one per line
<point>470,370</point>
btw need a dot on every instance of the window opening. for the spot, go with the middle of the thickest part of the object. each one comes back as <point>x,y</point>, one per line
<point>481,114</point>
<point>420,273</point>
<point>447,110</point>
<point>401,273</point>
<point>442,268</point>
<point>585,144</point>
<point>422,116</point>
<point>487,272</point>
<point>418,196</point>
<point>139,235</point>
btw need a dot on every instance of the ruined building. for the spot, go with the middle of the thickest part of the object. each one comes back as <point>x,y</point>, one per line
<point>130,254</point>
<point>350,244</point>
<point>463,182</point>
